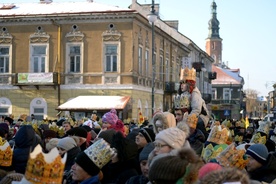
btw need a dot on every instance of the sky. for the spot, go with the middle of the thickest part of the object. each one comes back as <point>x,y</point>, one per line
<point>247,27</point>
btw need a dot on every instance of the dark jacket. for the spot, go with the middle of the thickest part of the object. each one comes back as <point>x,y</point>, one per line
<point>266,173</point>
<point>25,141</point>
<point>71,155</point>
<point>141,179</point>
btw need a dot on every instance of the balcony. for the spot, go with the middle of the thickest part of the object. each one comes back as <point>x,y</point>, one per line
<point>6,78</point>
<point>225,102</point>
<point>35,79</point>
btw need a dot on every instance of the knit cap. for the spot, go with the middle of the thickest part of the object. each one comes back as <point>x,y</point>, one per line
<point>144,154</point>
<point>207,168</point>
<point>148,134</point>
<point>66,143</point>
<point>52,144</point>
<point>95,157</point>
<point>259,152</point>
<point>175,137</point>
<point>170,168</point>
<point>107,135</point>
<point>110,117</point>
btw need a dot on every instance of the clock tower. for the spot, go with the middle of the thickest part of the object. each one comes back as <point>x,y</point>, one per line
<point>213,41</point>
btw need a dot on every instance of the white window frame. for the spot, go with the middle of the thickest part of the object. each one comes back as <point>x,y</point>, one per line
<point>118,57</point>
<point>214,93</point>
<point>226,93</point>
<point>5,103</point>
<point>39,103</point>
<point>140,59</point>
<point>9,56</point>
<point>31,67</point>
<point>68,61</point>
<point>147,60</point>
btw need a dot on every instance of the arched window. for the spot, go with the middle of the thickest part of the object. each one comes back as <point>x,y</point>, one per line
<point>38,107</point>
<point>5,107</point>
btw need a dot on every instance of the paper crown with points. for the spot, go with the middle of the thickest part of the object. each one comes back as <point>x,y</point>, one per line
<point>257,138</point>
<point>99,153</point>
<point>45,168</point>
<point>6,153</point>
<point>210,152</point>
<point>238,138</point>
<point>192,120</point>
<point>218,135</point>
<point>232,157</point>
<point>182,101</point>
<point>188,74</point>
<point>263,127</point>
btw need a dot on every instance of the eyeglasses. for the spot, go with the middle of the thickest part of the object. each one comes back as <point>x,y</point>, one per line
<point>159,145</point>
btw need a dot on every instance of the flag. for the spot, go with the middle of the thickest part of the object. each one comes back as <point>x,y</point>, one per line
<point>140,117</point>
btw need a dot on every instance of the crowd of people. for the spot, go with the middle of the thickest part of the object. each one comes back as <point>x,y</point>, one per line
<point>180,146</point>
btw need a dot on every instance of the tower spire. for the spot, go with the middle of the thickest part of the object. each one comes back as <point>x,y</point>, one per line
<point>213,22</point>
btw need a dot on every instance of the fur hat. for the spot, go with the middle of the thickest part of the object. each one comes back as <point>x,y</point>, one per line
<point>94,157</point>
<point>175,137</point>
<point>146,151</point>
<point>66,143</point>
<point>148,134</point>
<point>166,118</point>
<point>49,134</point>
<point>169,169</point>
<point>259,152</point>
<point>110,117</point>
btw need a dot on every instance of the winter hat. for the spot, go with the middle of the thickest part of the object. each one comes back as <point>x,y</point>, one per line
<point>171,119</point>
<point>148,134</point>
<point>175,137</point>
<point>207,168</point>
<point>119,127</point>
<point>77,131</point>
<point>52,144</point>
<point>146,151</point>
<point>10,120</point>
<point>66,143</point>
<point>110,117</point>
<point>168,168</point>
<point>259,152</point>
<point>107,135</point>
<point>49,134</point>
<point>5,127</point>
<point>95,157</point>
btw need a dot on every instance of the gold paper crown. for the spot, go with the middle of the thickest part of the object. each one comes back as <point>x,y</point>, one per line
<point>238,138</point>
<point>226,123</point>
<point>99,153</point>
<point>6,153</point>
<point>258,138</point>
<point>182,101</point>
<point>214,123</point>
<point>45,168</point>
<point>231,157</point>
<point>218,135</point>
<point>210,152</point>
<point>263,127</point>
<point>188,74</point>
<point>192,121</point>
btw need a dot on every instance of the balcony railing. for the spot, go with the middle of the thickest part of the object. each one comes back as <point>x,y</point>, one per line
<point>220,101</point>
<point>5,78</point>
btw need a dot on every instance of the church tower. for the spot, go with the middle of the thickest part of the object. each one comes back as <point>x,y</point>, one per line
<point>213,41</point>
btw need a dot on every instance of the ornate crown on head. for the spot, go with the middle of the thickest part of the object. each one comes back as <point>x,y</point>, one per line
<point>231,157</point>
<point>99,153</point>
<point>238,138</point>
<point>182,101</point>
<point>45,168</point>
<point>188,74</point>
<point>211,152</point>
<point>6,153</point>
<point>218,135</point>
<point>258,138</point>
<point>263,127</point>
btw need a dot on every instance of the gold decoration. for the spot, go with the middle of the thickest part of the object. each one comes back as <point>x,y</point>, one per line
<point>45,168</point>
<point>182,101</point>
<point>6,153</point>
<point>188,74</point>
<point>231,157</point>
<point>258,138</point>
<point>218,135</point>
<point>210,152</point>
<point>192,121</point>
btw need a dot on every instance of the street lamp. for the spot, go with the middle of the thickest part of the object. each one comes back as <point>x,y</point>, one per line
<point>152,17</point>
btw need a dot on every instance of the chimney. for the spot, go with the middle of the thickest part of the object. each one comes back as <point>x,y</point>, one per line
<point>46,1</point>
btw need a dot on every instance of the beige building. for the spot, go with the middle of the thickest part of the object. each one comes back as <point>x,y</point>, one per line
<point>53,52</point>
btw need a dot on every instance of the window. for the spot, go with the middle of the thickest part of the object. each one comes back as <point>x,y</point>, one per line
<point>38,108</point>
<point>111,55</point>
<point>214,93</point>
<point>140,67</point>
<point>161,72</point>
<point>38,58</point>
<point>75,57</point>
<point>5,106</point>
<point>4,59</point>
<point>167,70</point>
<point>226,94</point>
<point>147,62</point>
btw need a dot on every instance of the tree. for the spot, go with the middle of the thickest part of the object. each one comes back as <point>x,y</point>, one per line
<point>251,101</point>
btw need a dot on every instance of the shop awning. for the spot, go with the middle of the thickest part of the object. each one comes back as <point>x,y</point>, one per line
<point>88,103</point>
